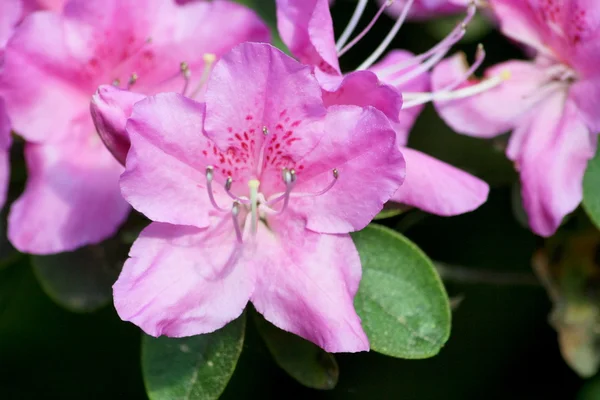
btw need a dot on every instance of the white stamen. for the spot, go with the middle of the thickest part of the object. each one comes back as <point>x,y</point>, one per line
<point>253,185</point>
<point>209,60</point>
<point>238,199</point>
<point>388,39</point>
<point>132,80</point>
<point>186,73</point>
<point>289,178</point>
<point>261,154</point>
<point>209,178</point>
<point>358,12</point>
<point>235,210</point>
<point>336,175</point>
<point>367,28</point>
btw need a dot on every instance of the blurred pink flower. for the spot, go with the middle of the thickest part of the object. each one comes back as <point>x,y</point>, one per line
<point>432,185</point>
<point>53,64</point>
<point>253,199</point>
<point>11,13</point>
<point>423,9</point>
<point>551,104</point>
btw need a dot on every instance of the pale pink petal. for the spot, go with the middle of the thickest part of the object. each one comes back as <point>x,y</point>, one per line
<point>277,95</point>
<point>10,14</point>
<point>165,176</point>
<point>183,281</point>
<point>306,28</point>
<point>439,188</point>
<point>307,282</point>
<point>361,145</point>
<point>494,111</point>
<point>586,95</point>
<point>110,109</point>
<point>72,196</point>
<point>387,72</point>
<point>520,21</point>
<point>362,88</point>
<point>5,142</point>
<point>97,42</point>
<point>555,146</point>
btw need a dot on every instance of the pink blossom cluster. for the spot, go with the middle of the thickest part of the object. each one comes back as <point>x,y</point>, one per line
<point>254,166</point>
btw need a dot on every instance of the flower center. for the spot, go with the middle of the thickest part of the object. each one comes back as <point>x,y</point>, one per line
<point>256,203</point>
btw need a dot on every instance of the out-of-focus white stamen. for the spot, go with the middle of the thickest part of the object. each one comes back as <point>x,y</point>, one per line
<point>367,28</point>
<point>235,210</point>
<point>209,178</point>
<point>335,174</point>
<point>186,72</point>
<point>209,60</point>
<point>388,39</point>
<point>358,12</point>
<point>253,185</point>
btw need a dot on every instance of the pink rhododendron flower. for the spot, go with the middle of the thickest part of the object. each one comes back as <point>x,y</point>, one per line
<point>253,194</point>
<point>307,29</point>
<point>550,104</point>
<point>422,9</point>
<point>54,63</point>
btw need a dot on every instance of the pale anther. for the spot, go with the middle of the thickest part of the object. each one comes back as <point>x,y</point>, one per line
<point>265,131</point>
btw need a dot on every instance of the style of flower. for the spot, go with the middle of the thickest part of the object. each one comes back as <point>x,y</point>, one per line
<point>53,64</point>
<point>252,194</point>
<point>431,185</point>
<point>550,103</point>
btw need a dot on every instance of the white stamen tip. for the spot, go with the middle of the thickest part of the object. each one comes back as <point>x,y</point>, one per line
<point>265,131</point>
<point>133,79</point>
<point>210,171</point>
<point>336,174</point>
<point>228,183</point>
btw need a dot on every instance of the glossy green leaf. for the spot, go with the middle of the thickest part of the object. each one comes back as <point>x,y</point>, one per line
<point>404,308</point>
<point>307,363</point>
<point>192,368</point>
<point>81,280</point>
<point>591,189</point>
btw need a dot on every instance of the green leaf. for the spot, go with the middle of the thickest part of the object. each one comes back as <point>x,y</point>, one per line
<point>81,280</point>
<point>192,368</point>
<point>591,189</point>
<point>302,360</point>
<point>404,308</point>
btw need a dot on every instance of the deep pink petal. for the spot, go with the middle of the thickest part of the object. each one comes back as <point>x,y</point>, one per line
<point>277,94</point>
<point>306,28</point>
<point>306,284</point>
<point>494,111</point>
<point>165,176</point>
<point>362,88</point>
<point>555,146</point>
<point>361,145</point>
<point>183,281</point>
<point>110,109</point>
<point>586,94</point>
<point>424,9</point>
<point>5,142</point>
<point>10,13</point>
<point>388,72</point>
<point>439,188</point>
<point>71,199</point>
<point>36,5</point>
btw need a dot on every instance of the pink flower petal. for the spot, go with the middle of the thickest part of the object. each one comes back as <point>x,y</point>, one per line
<point>494,111</point>
<point>552,152</point>
<point>424,9</point>
<point>95,42</point>
<point>362,88</point>
<point>387,73</point>
<point>306,28</point>
<point>72,196</point>
<point>5,142</point>
<point>307,284</point>
<point>182,281</point>
<point>277,93</point>
<point>361,145</point>
<point>166,166</point>
<point>586,95</point>
<point>110,108</point>
<point>439,188</point>
<point>10,14</point>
